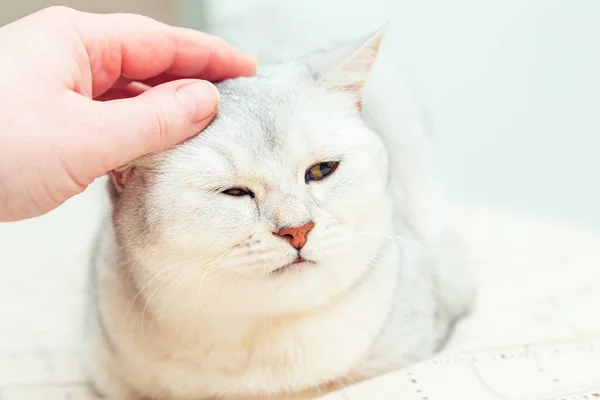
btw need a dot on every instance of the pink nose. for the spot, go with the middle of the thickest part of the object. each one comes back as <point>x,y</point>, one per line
<point>296,235</point>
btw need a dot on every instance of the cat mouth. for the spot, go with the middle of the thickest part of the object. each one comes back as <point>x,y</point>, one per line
<point>299,263</point>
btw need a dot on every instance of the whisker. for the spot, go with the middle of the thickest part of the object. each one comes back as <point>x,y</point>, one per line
<point>177,275</point>
<point>211,267</point>
<point>171,277</point>
<point>153,276</point>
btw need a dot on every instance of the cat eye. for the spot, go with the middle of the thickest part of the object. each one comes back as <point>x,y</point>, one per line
<point>238,192</point>
<point>320,171</point>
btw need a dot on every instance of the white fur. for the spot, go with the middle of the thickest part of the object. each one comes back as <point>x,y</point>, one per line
<point>188,298</point>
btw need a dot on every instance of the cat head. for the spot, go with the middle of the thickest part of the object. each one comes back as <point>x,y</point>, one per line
<point>279,206</point>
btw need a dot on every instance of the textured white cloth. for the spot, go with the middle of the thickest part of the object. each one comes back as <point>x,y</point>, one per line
<point>535,333</point>
<point>539,372</point>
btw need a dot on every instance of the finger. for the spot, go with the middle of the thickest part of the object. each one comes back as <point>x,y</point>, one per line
<point>160,79</point>
<point>140,48</point>
<point>126,91</point>
<point>154,81</point>
<point>156,119</point>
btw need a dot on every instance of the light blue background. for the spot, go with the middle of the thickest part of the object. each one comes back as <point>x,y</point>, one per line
<point>512,89</point>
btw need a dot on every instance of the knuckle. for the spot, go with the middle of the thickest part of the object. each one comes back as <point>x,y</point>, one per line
<point>160,125</point>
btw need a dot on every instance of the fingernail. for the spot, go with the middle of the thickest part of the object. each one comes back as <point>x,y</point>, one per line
<point>200,100</point>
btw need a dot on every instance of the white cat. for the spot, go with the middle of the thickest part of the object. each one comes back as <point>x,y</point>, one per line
<point>295,246</point>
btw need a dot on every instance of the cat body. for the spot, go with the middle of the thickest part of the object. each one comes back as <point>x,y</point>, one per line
<point>294,247</point>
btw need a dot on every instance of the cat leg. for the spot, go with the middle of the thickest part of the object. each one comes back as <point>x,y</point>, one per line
<point>454,285</point>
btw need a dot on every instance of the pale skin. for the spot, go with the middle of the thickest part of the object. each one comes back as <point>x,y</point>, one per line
<point>82,94</point>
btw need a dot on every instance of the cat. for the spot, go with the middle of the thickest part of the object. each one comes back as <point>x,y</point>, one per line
<point>294,247</point>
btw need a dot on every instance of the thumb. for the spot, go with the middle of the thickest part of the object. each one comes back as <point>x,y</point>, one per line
<point>154,120</point>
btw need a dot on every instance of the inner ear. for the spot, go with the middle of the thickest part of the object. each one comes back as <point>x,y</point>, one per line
<point>121,176</point>
<point>347,67</point>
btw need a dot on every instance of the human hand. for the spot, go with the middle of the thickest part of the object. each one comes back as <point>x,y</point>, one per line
<point>82,94</point>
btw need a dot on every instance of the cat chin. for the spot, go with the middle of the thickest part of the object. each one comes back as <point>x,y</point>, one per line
<point>299,265</point>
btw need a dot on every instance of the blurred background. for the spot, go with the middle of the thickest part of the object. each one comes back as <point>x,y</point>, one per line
<point>511,88</point>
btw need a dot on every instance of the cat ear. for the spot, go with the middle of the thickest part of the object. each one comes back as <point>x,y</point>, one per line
<point>347,68</point>
<point>119,177</point>
<point>136,170</point>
